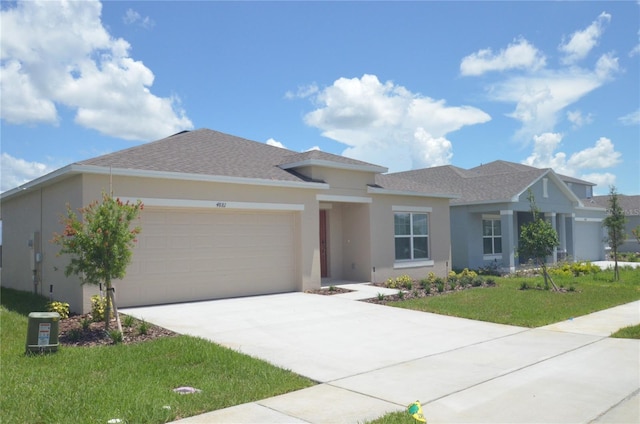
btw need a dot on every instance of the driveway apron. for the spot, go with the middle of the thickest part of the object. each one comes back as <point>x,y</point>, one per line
<point>374,359</point>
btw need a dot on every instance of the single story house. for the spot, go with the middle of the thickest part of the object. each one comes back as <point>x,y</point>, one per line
<point>225,216</point>
<point>492,205</point>
<point>631,208</point>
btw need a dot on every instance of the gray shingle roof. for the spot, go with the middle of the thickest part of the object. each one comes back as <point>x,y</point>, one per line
<point>205,152</point>
<point>209,152</point>
<point>495,181</point>
<point>629,204</point>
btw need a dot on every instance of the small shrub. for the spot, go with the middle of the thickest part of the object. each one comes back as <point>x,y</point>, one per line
<point>380,296</point>
<point>452,276</point>
<point>75,334</point>
<point>477,282</point>
<point>440,287</point>
<point>115,336</point>
<point>405,281</point>
<point>85,323</point>
<point>391,283</point>
<point>524,286</point>
<point>143,328</point>
<point>452,286</point>
<point>572,288</point>
<point>400,294</point>
<point>425,283</point>
<point>128,321</point>
<point>490,282</point>
<point>98,306</point>
<point>61,308</point>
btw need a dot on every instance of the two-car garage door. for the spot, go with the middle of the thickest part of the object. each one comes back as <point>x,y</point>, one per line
<point>189,254</point>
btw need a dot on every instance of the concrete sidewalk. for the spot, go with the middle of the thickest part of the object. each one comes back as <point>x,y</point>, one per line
<point>373,359</point>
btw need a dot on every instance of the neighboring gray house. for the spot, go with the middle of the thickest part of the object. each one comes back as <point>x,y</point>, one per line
<point>492,206</point>
<point>631,207</point>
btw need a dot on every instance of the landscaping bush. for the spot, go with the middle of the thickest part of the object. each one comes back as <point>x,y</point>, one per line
<point>61,308</point>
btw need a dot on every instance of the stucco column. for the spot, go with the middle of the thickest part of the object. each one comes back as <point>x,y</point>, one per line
<point>562,234</point>
<point>571,237</point>
<point>508,240</point>
<point>552,218</point>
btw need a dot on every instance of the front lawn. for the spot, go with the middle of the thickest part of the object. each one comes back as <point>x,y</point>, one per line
<point>508,304</point>
<point>131,382</point>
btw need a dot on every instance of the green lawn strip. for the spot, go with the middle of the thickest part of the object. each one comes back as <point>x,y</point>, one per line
<point>507,304</point>
<point>132,382</point>
<point>631,332</point>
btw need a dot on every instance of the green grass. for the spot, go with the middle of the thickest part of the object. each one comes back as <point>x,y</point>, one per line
<point>631,332</point>
<point>130,382</point>
<point>507,304</point>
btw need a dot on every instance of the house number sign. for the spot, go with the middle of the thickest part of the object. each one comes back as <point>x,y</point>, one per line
<point>221,205</point>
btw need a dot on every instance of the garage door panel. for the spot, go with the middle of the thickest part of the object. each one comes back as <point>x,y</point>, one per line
<point>194,255</point>
<point>588,241</point>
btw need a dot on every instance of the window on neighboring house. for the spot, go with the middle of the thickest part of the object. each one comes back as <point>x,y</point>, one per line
<point>491,237</point>
<point>411,235</point>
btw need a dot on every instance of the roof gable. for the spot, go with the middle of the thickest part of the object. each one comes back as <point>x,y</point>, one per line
<point>498,181</point>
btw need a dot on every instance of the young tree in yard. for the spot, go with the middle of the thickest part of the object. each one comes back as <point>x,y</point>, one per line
<point>100,244</point>
<point>614,223</point>
<point>537,240</point>
<point>636,233</point>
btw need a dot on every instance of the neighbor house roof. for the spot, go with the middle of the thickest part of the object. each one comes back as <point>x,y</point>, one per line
<point>498,181</point>
<point>629,204</point>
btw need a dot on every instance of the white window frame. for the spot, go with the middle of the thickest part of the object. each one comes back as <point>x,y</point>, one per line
<point>492,255</point>
<point>413,263</point>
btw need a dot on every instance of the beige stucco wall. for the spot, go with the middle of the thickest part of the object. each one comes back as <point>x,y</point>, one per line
<point>361,230</point>
<point>383,247</point>
<point>306,221</point>
<point>39,210</point>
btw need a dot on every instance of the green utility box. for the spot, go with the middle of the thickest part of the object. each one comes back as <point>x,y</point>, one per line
<point>42,332</point>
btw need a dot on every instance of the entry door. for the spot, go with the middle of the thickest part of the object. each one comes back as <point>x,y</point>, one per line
<point>323,244</point>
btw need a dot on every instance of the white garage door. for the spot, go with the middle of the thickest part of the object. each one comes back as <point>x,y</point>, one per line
<point>589,242</point>
<point>185,255</point>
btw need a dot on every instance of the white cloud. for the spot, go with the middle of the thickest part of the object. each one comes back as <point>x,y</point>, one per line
<point>302,92</point>
<point>386,124</point>
<point>581,42</point>
<point>632,118</point>
<point>601,156</point>
<point>15,172</point>
<point>275,143</point>
<point>578,119</point>
<point>132,17</point>
<point>518,55</point>
<point>59,54</point>
<point>539,98</point>
<point>602,180</point>
<point>539,93</point>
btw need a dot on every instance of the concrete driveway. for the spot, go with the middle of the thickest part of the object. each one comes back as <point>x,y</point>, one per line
<point>374,359</point>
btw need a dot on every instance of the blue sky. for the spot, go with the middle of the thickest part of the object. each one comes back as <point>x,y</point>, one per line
<point>399,84</point>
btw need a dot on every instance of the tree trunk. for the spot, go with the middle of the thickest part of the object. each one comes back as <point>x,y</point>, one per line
<point>115,309</point>
<point>107,306</point>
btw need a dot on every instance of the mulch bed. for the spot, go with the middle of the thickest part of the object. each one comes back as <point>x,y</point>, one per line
<point>329,291</point>
<point>71,332</point>
<point>417,291</point>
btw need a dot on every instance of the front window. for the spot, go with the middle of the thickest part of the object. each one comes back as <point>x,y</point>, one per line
<point>411,236</point>
<point>491,237</point>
